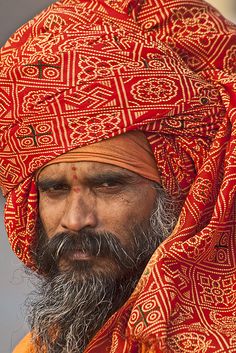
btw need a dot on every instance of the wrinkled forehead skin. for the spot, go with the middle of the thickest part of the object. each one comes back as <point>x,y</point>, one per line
<point>82,72</point>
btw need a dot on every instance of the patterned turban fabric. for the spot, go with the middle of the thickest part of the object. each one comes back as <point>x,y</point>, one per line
<point>87,70</point>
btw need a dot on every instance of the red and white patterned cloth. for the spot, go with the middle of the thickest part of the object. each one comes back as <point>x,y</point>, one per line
<point>87,70</point>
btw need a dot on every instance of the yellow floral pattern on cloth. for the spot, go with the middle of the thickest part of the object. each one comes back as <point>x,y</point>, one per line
<point>87,70</point>
<point>189,342</point>
<point>88,129</point>
<point>230,59</point>
<point>189,21</point>
<point>154,90</point>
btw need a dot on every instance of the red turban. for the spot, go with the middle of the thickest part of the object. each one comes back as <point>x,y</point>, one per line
<point>86,70</point>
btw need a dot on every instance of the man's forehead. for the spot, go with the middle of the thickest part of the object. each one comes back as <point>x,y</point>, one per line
<point>86,169</point>
<point>129,152</point>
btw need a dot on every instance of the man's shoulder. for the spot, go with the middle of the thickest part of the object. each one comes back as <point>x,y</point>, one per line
<point>25,345</point>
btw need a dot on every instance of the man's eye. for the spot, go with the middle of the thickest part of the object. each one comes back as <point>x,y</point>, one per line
<point>53,189</point>
<point>109,186</point>
<point>59,188</point>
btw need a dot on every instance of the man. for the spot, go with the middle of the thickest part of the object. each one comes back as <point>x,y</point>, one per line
<point>95,215</point>
<point>115,114</point>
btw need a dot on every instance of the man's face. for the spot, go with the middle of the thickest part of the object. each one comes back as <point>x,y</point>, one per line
<point>76,198</point>
<point>98,227</point>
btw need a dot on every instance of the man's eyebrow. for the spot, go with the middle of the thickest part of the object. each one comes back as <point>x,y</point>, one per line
<point>111,176</point>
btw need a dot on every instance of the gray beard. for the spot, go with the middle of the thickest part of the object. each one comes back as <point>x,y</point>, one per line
<point>66,310</point>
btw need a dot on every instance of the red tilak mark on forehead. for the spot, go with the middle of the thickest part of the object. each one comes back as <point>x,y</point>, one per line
<point>77,189</point>
<point>73,168</point>
<point>75,177</point>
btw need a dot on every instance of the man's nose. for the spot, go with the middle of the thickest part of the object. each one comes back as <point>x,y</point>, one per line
<point>79,212</point>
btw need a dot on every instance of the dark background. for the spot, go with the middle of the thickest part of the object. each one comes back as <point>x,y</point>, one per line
<point>13,283</point>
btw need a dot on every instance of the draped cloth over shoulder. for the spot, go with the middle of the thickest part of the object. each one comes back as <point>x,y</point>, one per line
<point>87,70</point>
<point>25,345</point>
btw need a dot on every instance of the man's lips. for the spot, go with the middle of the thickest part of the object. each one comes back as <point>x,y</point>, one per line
<point>77,255</point>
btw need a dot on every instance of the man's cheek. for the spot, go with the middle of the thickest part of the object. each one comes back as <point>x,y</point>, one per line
<point>50,219</point>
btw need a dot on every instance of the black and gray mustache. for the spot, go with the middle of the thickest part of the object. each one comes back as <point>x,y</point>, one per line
<point>87,241</point>
<point>95,244</point>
